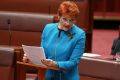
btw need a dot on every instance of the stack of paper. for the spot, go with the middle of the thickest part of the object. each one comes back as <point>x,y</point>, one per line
<point>34,54</point>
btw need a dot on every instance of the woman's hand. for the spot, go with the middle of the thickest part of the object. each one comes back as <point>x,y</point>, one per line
<point>25,58</point>
<point>49,63</point>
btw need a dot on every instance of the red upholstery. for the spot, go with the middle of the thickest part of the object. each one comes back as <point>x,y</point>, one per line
<point>6,63</point>
<point>25,28</point>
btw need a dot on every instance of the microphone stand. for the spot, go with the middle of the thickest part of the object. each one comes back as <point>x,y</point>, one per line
<point>9,29</point>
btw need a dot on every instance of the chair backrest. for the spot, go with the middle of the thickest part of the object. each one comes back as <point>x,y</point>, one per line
<point>6,63</point>
<point>22,28</point>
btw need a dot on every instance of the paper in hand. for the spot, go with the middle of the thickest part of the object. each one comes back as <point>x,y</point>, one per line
<point>35,54</point>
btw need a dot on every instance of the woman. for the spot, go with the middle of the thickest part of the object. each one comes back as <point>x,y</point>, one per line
<point>64,44</point>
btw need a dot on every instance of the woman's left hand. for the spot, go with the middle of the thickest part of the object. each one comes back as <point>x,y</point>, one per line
<point>49,63</point>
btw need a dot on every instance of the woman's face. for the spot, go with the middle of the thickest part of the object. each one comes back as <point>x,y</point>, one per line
<point>66,21</point>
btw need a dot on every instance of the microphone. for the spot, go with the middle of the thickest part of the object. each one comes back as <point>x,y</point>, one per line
<point>9,29</point>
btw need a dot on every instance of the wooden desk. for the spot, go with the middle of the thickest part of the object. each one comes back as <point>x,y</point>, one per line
<point>22,68</point>
<point>99,68</point>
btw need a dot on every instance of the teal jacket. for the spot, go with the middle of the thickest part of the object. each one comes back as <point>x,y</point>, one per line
<point>66,48</point>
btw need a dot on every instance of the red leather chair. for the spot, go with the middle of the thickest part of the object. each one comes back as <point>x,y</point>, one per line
<point>6,63</point>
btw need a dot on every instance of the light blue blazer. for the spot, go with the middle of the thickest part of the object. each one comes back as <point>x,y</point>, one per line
<point>66,48</point>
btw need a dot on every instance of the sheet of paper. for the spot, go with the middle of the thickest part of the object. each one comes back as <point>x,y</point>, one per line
<point>90,55</point>
<point>35,54</point>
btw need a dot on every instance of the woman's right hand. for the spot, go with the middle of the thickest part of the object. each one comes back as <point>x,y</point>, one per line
<point>25,58</point>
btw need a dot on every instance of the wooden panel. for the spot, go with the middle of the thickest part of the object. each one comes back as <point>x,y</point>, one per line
<point>110,5</point>
<point>99,5</point>
<point>83,20</point>
<point>25,5</point>
<point>54,4</point>
<point>88,42</point>
<point>106,5</point>
<point>117,6</point>
<point>111,10</point>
